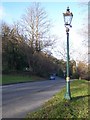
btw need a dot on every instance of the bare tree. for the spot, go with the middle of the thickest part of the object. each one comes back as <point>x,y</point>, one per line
<point>89,35</point>
<point>85,30</point>
<point>61,51</point>
<point>36,27</point>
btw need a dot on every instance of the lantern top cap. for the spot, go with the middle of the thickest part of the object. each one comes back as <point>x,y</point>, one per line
<point>68,13</point>
<point>68,8</point>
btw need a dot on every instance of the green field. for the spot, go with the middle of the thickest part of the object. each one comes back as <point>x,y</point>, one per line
<point>9,79</point>
<point>58,107</point>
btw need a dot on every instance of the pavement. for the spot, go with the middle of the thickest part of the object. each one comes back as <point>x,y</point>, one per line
<point>19,99</point>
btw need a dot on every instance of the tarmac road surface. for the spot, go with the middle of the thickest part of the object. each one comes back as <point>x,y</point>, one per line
<point>19,99</point>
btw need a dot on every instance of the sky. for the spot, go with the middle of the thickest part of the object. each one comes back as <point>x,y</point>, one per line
<point>13,11</point>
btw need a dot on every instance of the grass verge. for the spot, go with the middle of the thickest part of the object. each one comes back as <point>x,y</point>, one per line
<point>10,79</point>
<point>57,107</point>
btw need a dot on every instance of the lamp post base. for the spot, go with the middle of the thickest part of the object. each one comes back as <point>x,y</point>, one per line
<point>67,96</point>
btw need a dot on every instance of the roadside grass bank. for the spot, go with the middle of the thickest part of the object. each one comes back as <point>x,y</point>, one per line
<point>59,108</point>
<point>11,79</point>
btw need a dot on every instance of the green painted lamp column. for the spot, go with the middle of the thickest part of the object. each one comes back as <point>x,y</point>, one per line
<point>67,19</point>
<point>68,94</point>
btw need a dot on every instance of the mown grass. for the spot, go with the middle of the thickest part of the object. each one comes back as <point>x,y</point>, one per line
<point>9,79</point>
<point>57,107</point>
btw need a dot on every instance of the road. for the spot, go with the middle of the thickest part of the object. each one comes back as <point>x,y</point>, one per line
<point>19,99</point>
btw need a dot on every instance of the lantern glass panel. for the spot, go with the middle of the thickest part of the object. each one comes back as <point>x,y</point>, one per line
<point>67,20</point>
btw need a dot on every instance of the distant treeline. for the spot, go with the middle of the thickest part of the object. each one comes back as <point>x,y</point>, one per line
<point>17,56</point>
